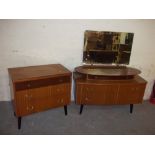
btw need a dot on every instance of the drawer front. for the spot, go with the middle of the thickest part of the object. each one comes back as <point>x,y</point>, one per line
<point>43,98</point>
<point>42,83</point>
<point>24,106</point>
<point>61,94</point>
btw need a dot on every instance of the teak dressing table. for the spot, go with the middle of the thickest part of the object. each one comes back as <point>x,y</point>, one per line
<point>38,88</point>
<point>105,85</point>
<point>104,79</point>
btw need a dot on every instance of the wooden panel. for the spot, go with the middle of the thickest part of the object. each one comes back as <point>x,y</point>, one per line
<point>115,93</point>
<point>111,94</point>
<point>38,88</point>
<point>96,94</point>
<point>19,74</point>
<point>41,83</point>
<point>130,94</point>
<point>39,99</point>
<point>23,106</point>
<point>61,94</point>
<point>108,71</point>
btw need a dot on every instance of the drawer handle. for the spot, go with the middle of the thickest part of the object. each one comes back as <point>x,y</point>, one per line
<point>29,85</point>
<point>32,107</point>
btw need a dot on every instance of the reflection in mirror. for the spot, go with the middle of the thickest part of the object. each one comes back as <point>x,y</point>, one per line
<point>107,47</point>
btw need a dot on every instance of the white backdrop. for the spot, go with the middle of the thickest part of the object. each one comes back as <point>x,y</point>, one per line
<point>37,42</point>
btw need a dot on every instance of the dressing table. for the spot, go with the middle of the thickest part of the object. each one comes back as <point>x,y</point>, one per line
<point>104,79</point>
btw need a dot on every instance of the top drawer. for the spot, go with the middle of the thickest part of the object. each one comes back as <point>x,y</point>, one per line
<point>42,82</point>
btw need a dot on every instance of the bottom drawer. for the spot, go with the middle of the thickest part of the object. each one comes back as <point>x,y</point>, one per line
<point>39,99</point>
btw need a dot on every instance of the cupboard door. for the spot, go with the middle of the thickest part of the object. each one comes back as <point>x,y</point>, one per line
<point>98,94</point>
<point>130,94</point>
<point>111,94</point>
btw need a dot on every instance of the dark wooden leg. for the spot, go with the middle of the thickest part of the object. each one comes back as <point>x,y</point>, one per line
<point>131,108</point>
<point>65,109</point>
<point>14,114</point>
<point>19,122</point>
<point>81,108</point>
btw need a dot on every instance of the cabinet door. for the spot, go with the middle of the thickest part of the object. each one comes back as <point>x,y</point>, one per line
<point>130,93</point>
<point>97,94</point>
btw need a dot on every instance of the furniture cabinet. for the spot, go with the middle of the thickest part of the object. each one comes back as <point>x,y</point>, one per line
<point>99,86</point>
<point>38,88</point>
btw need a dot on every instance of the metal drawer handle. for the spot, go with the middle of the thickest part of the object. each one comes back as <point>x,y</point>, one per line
<point>32,107</point>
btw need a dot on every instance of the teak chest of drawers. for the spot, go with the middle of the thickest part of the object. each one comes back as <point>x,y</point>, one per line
<point>38,88</point>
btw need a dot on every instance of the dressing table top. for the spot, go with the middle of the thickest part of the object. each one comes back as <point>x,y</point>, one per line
<point>110,71</point>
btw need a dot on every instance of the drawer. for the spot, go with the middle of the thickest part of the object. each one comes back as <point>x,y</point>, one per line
<point>42,83</point>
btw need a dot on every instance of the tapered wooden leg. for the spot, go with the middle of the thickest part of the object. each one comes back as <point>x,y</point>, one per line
<point>81,108</point>
<point>19,122</point>
<point>14,114</point>
<point>65,109</point>
<point>131,108</point>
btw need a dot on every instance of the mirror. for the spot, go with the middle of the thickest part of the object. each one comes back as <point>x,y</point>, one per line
<point>107,47</point>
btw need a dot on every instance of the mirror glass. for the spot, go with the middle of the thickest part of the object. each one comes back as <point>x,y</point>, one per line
<point>107,47</point>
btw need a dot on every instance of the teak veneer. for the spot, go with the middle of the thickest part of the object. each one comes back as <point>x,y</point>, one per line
<point>38,88</point>
<point>105,85</point>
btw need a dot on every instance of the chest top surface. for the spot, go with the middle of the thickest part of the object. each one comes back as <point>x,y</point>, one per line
<point>37,72</point>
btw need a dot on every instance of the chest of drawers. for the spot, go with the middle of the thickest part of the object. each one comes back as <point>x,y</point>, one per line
<point>39,88</point>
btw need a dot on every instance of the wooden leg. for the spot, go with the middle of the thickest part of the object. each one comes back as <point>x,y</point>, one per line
<point>65,109</point>
<point>19,122</point>
<point>81,108</point>
<point>131,108</point>
<point>14,114</point>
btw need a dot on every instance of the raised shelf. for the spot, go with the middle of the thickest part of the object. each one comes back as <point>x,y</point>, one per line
<point>108,71</point>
